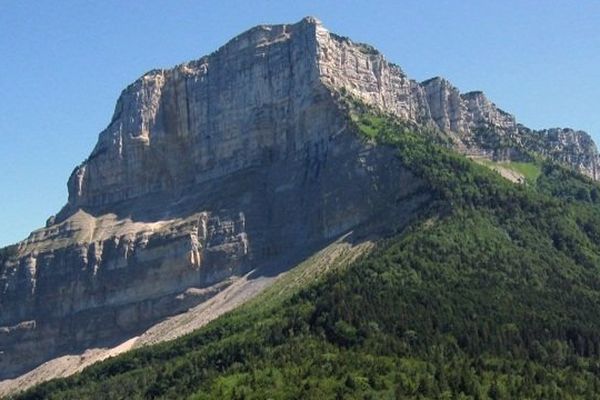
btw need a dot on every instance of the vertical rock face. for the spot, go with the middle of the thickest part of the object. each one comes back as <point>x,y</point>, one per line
<point>240,159</point>
<point>208,118</point>
<point>210,169</point>
<point>362,71</point>
<point>92,280</point>
<point>258,94</point>
<point>464,113</point>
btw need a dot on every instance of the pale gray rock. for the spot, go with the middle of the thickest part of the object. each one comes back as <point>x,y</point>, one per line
<point>219,114</point>
<point>242,159</point>
<point>570,147</point>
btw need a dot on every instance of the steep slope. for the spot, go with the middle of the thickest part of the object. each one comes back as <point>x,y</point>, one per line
<point>239,291</point>
<point>244,160</point>
<point>491,294</point>
<point>239,161</point>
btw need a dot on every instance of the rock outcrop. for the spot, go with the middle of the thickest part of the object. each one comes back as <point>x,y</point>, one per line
<point>568,146</point>
<point>92,280</point>
<point>475,124</point>
<point>218,166</point>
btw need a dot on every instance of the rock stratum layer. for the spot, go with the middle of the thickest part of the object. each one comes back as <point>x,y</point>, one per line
<point>238,160</point>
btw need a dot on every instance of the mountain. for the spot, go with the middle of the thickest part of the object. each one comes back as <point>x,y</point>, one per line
<point>215,178</point>
<point>490,292</point>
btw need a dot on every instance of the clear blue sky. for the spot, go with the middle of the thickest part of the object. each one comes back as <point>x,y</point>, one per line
<point>64,63</point>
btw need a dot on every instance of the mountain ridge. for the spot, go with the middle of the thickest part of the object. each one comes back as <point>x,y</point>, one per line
<point>221,165</point>
<point>434,102</point>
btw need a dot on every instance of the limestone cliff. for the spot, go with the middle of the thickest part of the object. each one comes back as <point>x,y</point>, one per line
<point>471,120</point>
<point>220,113</point>
<point>241,159</point>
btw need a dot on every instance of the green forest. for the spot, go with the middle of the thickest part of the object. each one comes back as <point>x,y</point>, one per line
<point>492,292</point>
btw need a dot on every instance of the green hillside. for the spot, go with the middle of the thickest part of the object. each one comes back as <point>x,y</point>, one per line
<point>492,293</point>
<point>529,171</point>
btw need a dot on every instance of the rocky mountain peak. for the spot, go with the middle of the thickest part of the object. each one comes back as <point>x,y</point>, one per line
<point>201,108</point>
<point>238,160</point>
<point>206,171</point>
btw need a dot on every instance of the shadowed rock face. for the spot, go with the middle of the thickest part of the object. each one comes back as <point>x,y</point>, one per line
<point>241,159</point>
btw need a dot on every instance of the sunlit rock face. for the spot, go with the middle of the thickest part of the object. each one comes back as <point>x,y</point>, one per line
<point>243,158</point>
<point>206,171</point>
<point>264,92</point>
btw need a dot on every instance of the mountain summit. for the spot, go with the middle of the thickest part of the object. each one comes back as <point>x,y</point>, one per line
<point>219,114</point>
<point>243,162</point>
